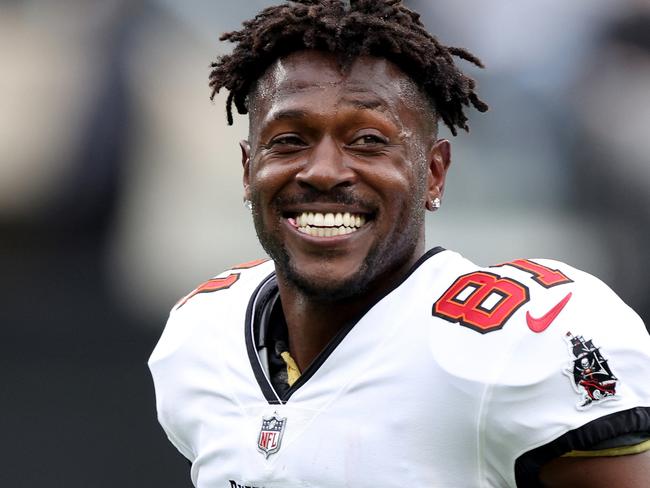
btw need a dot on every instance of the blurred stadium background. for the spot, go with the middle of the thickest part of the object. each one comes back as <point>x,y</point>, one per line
<point>120,191</point>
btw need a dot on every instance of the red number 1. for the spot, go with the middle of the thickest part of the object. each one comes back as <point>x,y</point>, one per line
<point>214,284</point>
<point>542,275</point>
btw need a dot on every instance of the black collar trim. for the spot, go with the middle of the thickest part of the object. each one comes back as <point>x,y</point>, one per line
<point>253,317</point>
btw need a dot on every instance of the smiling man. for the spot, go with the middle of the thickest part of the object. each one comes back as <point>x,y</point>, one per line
<point>355,357</point>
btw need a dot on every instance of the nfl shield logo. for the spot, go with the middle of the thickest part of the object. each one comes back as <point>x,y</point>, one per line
<point>271,432</point>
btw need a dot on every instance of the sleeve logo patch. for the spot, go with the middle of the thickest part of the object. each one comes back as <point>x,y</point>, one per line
<point>589,372</point>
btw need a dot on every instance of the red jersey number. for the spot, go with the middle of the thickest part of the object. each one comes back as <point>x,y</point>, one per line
<point>210,286</point>
<point>542,275</point>
<point>481,301</point>
<point>216,284</point>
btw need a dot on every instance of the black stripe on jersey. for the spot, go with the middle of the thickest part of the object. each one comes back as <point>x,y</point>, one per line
<point>256,327</point>
<point>594,433</point>
<point>253,316</point>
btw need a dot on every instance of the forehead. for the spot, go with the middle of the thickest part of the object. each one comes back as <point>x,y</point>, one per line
<point>315,77</point>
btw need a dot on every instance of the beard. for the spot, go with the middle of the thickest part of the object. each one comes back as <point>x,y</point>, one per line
<point>384,257</point>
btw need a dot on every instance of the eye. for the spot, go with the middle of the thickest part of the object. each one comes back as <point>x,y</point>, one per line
<point>285,144</point>
<point>286,141</point>
<point>369,140</point>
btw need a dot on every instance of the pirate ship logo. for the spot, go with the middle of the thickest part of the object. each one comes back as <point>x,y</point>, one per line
<point>589,372</point>
<point>271,433</point>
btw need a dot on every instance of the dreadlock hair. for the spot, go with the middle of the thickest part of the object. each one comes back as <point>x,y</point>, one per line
<point>348,28</point>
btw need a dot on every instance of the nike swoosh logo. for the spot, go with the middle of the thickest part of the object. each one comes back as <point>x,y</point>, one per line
<point>542,323</point>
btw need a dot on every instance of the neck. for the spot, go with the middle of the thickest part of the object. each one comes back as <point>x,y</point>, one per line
<point>312,323</point>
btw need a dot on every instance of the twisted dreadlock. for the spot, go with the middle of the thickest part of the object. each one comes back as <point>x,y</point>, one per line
<point>382,28</point>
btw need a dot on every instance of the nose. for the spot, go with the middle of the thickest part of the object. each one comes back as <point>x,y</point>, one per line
<point>326,167</point>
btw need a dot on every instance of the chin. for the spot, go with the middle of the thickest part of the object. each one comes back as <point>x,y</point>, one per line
<point>324,287</point>
<point>335,278</point>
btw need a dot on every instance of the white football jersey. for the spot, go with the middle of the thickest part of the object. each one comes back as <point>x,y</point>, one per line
<point>446,381</point>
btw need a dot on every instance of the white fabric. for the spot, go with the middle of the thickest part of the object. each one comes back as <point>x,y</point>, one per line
<point>406,399</point>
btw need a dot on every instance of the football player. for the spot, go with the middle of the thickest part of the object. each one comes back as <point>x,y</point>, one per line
<point>355,357</point>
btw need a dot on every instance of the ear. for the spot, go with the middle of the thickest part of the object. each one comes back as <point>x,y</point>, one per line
<point>246,164</point>
<point>439,161</point>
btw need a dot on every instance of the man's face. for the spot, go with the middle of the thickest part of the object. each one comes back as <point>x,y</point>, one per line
<point>339,167</point>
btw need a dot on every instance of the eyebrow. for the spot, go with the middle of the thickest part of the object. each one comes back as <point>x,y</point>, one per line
<point>366,104</point>
<point>289,114</point>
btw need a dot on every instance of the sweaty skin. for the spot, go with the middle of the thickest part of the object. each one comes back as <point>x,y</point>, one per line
<point>331,139</point>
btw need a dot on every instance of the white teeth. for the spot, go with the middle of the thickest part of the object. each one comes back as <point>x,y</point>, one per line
<point>326,231</point>
<point>329,224</point>
<point>330,219</point>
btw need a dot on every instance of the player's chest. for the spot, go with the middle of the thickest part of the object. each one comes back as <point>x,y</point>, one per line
<point>375,413</point>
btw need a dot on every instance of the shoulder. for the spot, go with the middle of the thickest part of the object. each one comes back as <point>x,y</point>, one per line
<point>240,281</point>
<point>565,316</point>
<point>563,349</point>
<point>204,329</point>
<point>581,301</point>
<point>211,307</point>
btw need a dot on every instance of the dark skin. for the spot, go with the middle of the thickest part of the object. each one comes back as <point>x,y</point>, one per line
<point>631,471</point>
<point>360,140</point>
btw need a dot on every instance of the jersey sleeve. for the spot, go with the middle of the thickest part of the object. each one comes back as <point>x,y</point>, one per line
<point>581,382</point>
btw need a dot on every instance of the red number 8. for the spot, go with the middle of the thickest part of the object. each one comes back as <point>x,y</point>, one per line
<point>481,301</point>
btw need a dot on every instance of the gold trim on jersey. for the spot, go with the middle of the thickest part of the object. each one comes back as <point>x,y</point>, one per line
<point>614,451</point>
<point>293,372</point>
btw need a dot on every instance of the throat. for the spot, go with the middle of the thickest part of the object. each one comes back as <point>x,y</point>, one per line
<point>312,326</point>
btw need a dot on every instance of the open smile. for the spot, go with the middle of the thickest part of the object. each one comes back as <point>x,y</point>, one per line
<point>329,224</point>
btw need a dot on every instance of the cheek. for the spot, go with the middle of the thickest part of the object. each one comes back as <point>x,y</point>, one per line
<point>405,196</point>
<point>268,180</point>
<point>397,182</point>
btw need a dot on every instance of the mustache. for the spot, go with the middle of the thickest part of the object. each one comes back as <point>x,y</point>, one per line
<point>342,196</point>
